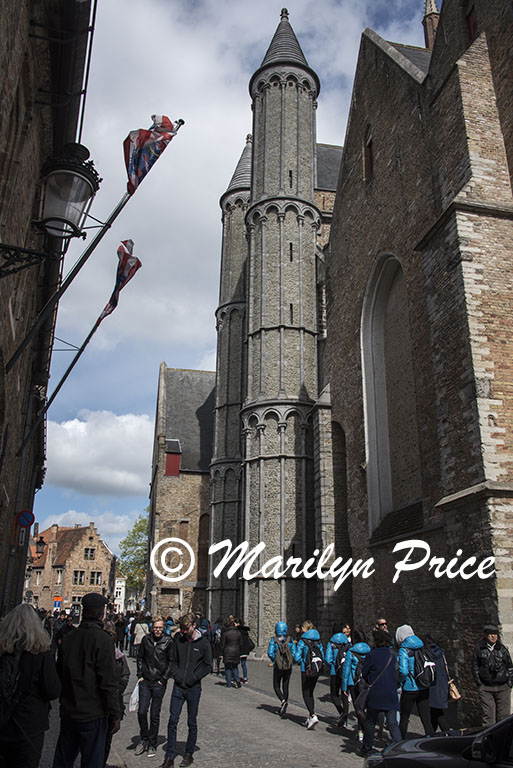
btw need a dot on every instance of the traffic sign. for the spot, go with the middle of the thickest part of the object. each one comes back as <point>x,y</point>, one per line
<point>25,518</point>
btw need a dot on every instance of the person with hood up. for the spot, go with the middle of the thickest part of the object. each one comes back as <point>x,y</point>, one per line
<point>352,675</point>
<point>336,650</point>
<point>230,653</point>
<point>281,652</point>
<point>439,692</point>
<point>493,672</point>
<point>309,638</point>
<point>411,694</point>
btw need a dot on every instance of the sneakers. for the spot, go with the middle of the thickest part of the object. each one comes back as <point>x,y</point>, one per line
<point>360,736</point>
<point>312,722</point>
<point>151,751</point>
<point>283,707</point>
<point>141,748</point>
<point>187,760</point>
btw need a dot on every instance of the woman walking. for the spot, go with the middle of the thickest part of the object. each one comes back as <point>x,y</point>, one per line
<point>25,649</point>
<point>281,652</point>
<point>336,650</point>
<point>379,672</point>
<point>411,694</point>
<point>439,692</point>
<point>309,653</point>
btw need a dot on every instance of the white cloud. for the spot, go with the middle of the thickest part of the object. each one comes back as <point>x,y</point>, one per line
<point>111,527</point>
<point>100,453</point>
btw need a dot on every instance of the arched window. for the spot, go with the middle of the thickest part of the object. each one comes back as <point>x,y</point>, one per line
<point>391,431</point>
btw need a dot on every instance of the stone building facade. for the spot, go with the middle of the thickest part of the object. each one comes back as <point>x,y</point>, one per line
<point>420,313</point>
<point>42,54</point>
<point>74,561</point>
<point>180,487</point>
<point>363,392</point>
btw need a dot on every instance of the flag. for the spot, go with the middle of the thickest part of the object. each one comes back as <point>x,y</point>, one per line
<point>127,267</point>
<point>143,148</point>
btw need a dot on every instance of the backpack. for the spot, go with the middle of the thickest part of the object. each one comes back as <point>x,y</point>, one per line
<point>340,658</point>
<point>10,695</point>
<point>424,669</point>
<point>359,667</point>
<point>313,661</point>
<point>283,658</point>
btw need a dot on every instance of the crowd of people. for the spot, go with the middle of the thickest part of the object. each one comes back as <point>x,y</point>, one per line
<point>384,676</point>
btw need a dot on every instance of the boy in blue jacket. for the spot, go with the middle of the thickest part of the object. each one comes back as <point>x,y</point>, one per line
<point>281,652</point>
<point>336,650</point>
<point>310,638</point>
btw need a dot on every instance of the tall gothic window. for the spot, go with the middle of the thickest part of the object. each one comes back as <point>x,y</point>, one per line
<point>391,430</point>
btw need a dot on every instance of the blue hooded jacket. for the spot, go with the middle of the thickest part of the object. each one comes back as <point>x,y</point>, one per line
<point>332,652</point>
<point>407,662</point>
<point>301,648</point>
<point>355,653</point>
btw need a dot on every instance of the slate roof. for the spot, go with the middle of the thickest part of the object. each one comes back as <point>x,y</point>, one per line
<point>329,157</point>
<point>284,47</point>
<point>190,415</point>
<point>241,179</point>
<point>421,57</point>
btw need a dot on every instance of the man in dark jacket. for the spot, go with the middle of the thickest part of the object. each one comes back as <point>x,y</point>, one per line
<point>153,671</point>
<point>492,669</point>
<point>191,661</point>
<point>89,697</point>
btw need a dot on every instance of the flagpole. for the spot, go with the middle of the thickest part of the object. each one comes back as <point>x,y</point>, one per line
<point>53,300</point>
<point>57,389</point>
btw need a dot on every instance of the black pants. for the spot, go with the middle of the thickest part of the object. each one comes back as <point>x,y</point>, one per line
<point>341,702</point>
<point>150,693</point>
<point>281,680</point>
<point>421,699</point>
<point>307,687</point>
<point>22,753</point>
<point>354,690</point>
<point>438,719</point>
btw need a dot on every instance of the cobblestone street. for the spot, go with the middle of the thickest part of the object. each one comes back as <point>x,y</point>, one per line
<point>242,728</point>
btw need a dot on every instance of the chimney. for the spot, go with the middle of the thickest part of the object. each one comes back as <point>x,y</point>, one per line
<point>430,23</point>
<point>55,531</point>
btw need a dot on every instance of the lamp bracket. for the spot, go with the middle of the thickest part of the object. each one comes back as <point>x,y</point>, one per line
<point>14,259</point>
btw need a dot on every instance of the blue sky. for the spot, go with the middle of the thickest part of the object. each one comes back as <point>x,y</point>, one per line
<point>191,60</point>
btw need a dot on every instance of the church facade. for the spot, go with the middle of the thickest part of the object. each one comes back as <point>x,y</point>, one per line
<point>364,375</point>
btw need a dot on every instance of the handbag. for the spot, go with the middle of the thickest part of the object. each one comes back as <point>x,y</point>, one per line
<point>361,700</point>
<point>133,704</point>
<point>454,694</point>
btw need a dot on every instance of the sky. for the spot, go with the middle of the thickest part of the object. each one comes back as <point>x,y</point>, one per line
<point>189,59</point>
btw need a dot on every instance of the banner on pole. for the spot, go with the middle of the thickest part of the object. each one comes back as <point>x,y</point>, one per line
<point>143,148</point>
<point>127,267</point>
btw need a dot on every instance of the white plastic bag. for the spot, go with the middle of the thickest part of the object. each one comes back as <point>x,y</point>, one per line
<point>133,704</point>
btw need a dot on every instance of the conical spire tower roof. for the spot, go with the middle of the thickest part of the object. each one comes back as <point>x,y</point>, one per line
<point>241,178</point>
<point>284,46</point>
<point>285,49</point>
<point>430,7</point>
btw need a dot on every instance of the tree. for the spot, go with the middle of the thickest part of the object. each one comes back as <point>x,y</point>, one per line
<point>133,551</point>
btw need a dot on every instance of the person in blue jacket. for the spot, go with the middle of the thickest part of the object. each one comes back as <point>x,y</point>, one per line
<point>336,650</point>
<point>281,651</point>
<point>309,637</point>
<point>351,676</point>
<point>411,694</point>
<point>379,672</point>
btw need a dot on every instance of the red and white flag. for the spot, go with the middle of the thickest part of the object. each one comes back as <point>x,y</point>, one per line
<point>127,267</point>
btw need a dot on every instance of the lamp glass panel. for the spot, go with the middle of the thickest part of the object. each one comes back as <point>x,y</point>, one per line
<point>66,198</point>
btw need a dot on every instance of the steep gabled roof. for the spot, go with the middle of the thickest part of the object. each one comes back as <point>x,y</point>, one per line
<point>67,540</point>
<point>190,415</point>
<point>329,157</point>
<point>420,57</point>
<point>412,60</point>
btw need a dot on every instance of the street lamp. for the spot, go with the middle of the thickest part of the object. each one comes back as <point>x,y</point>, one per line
<point>40,546</point>
<point>68,186</point>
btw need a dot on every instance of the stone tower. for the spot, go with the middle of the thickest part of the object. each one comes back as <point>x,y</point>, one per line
<point>266,486</point>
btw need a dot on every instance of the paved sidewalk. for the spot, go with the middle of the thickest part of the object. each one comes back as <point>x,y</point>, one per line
<point>241,727</point>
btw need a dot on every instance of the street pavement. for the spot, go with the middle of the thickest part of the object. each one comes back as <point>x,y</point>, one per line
<point>242,728</point>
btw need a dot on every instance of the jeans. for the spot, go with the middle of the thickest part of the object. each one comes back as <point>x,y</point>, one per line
<point>244,667</point>
<point>370,724</point>
<point>192,697</point>
<point>231,670</point>
<point>84,737</point>
<point>154,693</point>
